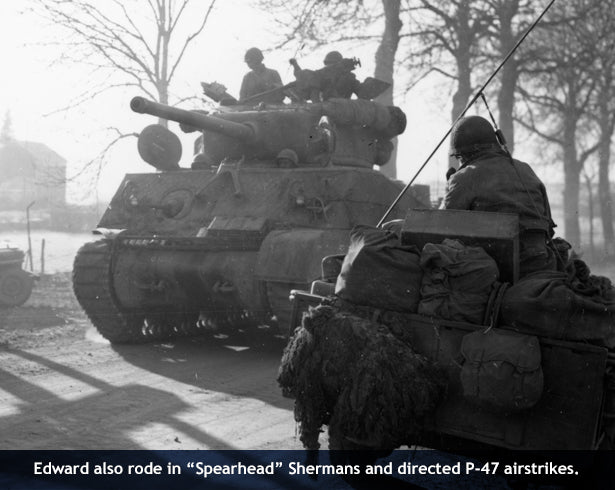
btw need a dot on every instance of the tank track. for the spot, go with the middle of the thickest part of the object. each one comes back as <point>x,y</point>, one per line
<point>93,288</point>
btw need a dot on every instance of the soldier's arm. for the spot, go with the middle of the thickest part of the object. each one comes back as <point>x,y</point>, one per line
<point>355,86</point>
<point>545,201</point>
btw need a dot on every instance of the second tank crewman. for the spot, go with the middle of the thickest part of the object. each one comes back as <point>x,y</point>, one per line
<point>260,79</point>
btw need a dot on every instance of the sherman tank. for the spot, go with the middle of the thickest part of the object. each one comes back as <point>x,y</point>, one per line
<point>272,190</point>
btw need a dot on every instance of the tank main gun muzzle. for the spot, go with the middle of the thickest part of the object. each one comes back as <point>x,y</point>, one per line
<point>242,132</point>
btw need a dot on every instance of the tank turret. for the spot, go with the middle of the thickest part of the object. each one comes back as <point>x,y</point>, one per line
<point>352,132</point>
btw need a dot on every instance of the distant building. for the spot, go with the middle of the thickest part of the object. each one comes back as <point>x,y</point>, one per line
<point>29,172</point>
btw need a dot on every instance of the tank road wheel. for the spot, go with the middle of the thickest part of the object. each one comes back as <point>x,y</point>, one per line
<point>15,287</point>
<point>93,287</point>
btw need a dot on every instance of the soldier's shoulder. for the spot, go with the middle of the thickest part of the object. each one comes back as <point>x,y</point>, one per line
<point>520,164</point>
<point>470,174</point>
<point>249,75</point>
<point>461,177</point>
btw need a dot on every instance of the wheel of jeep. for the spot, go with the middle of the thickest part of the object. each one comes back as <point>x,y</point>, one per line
<point>15,287</point>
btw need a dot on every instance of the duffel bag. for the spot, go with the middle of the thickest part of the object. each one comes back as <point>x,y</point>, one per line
<point>379,272</point>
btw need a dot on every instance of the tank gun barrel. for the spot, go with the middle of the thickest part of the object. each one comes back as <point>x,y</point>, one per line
<point>242,132</point>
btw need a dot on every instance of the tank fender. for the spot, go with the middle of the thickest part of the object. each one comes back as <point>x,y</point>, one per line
<point>108,233</point>
<point>295,255</point>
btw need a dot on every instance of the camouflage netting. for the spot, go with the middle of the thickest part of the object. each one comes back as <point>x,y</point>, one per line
<point>353,375</point>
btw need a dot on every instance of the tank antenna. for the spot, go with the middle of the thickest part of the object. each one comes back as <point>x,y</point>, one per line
<point>468,106</point>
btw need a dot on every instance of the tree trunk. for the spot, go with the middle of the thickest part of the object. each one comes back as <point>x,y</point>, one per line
<point>162,63</point>
<point>464,71</point>
<point>385,66</point>
<point>590,210</point>
<point>510,73</point>
<point>606,203</point>
<point>571,184</point>
<point>604,188</point>
<point>571,208</point>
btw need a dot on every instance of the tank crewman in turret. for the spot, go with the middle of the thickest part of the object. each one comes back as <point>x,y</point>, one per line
<point>260,79</point>
<point>286,158</point>
<point>490,180</point>
<point>339,83</point>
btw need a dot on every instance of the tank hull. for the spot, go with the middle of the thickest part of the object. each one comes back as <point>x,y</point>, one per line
<point>191,251</point>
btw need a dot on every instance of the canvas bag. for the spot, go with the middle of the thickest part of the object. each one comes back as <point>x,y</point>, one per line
<point>549,304</point>
<point>458,281</point>
<point>501,369</point>
<point>379,272</point>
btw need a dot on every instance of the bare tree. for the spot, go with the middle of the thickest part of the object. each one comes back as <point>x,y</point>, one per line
<point>600,40</point>
<point>448,37</point>
<point>385,64</point>
<point>124,46</point>
<point>505,13</point>
<point>588,180</point>
<point>560,89</point>
<point>314,23</point>
<point>117,39</point>
<point>387,49</point>
<point>511,19</point>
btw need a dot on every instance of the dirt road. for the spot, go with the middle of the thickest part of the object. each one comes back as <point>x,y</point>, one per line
<point>62,386</point>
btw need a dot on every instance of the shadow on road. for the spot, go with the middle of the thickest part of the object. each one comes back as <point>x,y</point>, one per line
<point>76,424</point>
<point>239,366</point>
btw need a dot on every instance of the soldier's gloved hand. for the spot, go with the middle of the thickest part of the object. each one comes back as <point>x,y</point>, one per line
<point>450,172</point>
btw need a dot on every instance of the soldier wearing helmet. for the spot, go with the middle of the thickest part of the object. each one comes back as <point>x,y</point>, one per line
<point>260,79</point>
<point>332,57</point>
<point>287,158</point>
<point>338,82</point>
<point>489,179</point>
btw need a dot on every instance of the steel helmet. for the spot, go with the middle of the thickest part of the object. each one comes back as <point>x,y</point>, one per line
<point>288,154</point>
<point>333,57</point>
<point>471,134</point>
<point>254,54</point>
